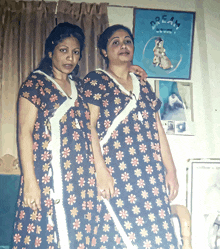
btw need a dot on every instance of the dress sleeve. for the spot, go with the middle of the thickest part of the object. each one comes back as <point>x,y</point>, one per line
<point>33,89</point>
<point>95,84</point>
<point>154,100</point>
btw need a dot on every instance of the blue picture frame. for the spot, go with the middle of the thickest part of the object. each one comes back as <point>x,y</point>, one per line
<point>163,42</point>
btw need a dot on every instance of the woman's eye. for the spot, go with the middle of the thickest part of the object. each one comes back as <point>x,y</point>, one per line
<point>128,42</point>
<point>63,50</point>
<point>76,52</point>
<point>115,43</point>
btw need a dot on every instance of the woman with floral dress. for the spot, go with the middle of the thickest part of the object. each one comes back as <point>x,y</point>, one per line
<point>57,184</point>
<point>58,190</point>
<point>133,162</point>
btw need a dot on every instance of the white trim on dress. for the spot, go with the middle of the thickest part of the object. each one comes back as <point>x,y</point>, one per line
<point>55,147</point>
<point>130,106</point>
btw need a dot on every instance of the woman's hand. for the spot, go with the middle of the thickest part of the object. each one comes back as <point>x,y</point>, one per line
<point>139,71</point>
<point>171,177</point>
<point>105,183</point>
<point>172,185</point>
<point>32,195</point>
<point>27,116</point>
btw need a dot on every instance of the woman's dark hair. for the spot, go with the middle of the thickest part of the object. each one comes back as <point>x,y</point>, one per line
<point>104,37</point>
<point>57,35</point>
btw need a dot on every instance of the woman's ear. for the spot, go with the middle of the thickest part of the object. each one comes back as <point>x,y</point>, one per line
<point>50,54</point>
<point>104,52</point>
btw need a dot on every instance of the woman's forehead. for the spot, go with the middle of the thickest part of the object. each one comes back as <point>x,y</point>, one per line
<point>120,32</point>
<point>71,40</point>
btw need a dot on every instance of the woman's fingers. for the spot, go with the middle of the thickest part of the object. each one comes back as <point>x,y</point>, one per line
<point>105,188</point>
<point>27,202</point>
<point>101,192</point>
<point>172,186</point>
<point>106,193</point>
<point>173,191</point>
<point>38,204</point>
<point>34,204</point>
<point>139,71</point>
<point>174,194</point>
<point>112,191</point>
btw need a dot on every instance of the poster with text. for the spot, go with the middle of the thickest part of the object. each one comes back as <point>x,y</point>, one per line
<point>163,42</point>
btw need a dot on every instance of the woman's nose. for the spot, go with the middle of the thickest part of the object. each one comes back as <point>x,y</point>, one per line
<point>123,45</point>
<point>70,56</point>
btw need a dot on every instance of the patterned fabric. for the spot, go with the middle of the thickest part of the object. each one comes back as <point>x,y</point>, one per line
<point>62,168</point>
<point>129,140</point>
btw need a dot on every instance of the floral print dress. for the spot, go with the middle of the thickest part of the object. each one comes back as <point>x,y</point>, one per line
<point>138,216</point>
<point>62,167</point>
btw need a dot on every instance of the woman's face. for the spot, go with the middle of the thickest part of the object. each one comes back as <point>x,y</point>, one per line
<point>120,48</point>
<point>65,56</point>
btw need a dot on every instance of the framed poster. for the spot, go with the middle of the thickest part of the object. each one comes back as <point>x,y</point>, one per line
<point>176,110</point>
<point>163,42</point>
<point>203,202</point>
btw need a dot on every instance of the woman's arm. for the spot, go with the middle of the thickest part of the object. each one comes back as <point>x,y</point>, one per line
<point>105,182</point>
<point>27,115</point>
<point>171,178</point>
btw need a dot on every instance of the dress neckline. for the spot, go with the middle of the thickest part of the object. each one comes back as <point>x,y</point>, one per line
<point>135,84</point>
<point>72,84</point>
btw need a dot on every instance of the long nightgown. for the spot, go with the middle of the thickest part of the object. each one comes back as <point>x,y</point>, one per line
<point>62,167</point>
<point>138,216</point>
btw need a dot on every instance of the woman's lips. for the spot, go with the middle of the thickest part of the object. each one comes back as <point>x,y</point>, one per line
<point>68,66</point>
<point>124,53</point>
